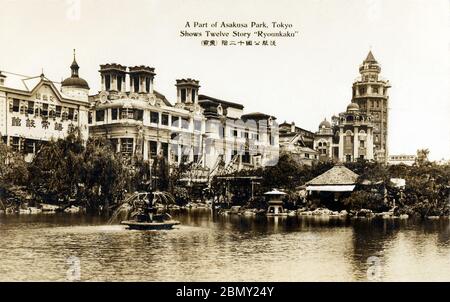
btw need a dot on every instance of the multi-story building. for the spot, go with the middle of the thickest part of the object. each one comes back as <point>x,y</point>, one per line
<point>370,92</point>
<point>141,122</point>
<point>34,110</point>
<point>360,132</point>
<point>298,142</point>
<point>348,138</point>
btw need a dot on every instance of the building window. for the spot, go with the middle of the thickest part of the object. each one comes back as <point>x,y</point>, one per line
<point>29,146</point>
<point>165,150</point>
<point>15,143</point>
<point>184,123</point>
<point>375,89</point>
<point>197,125</point>
<point>138,115</point>
<point>71,114</point>
<point>30,107</point>
<point>234,132</point>
<point>114,114</point>
<point>57,111</point>
<point>154,117</point>
<point>89,117</point>
<point>246,158</point>
<point>136,83</point>
<point>107,82</point>
<point>193,96</point>
<point>184,154</point>
<point>119,83</point>
<point>126,146</point>
<point>99,115</point>
<point>147,84</point>
<point>44,110</point>
<point>361,144</point>
<point>183,95</point>
<point>153,149</point>
<point>175,121</point>
<point>165,119</point>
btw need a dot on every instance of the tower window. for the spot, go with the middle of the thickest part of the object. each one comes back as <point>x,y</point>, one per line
<point>193,96</point>
<point>375,89</point>
<point>136,83</point>
<point>107,82</point>
<point>362,90</point>
<point>183,95</point>
<point>119,83</point>
<point>147,84</point>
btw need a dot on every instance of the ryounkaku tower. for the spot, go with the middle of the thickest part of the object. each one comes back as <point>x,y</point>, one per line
<point>370,92</point>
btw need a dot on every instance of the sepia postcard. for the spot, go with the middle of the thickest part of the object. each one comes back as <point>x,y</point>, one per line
<point>224,141</point>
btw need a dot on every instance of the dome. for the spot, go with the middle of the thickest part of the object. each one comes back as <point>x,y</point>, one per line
<point>352,107</point>
<point>75,82</point>
<point>325,124</point>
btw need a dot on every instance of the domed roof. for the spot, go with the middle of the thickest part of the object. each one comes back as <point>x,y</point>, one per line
<point>325,124</point>
<point>352,107</point>
<point>75,80</point>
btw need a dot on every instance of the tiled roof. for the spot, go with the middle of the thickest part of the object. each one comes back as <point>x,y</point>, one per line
<point>338,175</point>
<point>370,57</point>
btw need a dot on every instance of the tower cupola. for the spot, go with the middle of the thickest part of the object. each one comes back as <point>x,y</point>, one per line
<point>187,91</point>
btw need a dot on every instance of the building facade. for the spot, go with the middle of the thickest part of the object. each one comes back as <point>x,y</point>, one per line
<point>370,92</point>
<point>34,110</point>
<point>141,122</point>
<point>361,132</point>
<point>297,142</point>
<point>348,138</point>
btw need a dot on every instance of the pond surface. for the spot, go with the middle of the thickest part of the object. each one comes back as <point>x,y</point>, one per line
<point>233,248</point>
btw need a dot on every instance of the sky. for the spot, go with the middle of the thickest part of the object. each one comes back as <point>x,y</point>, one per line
<point>302,79</point>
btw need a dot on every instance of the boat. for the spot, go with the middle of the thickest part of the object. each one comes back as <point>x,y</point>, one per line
<point>150,212</point>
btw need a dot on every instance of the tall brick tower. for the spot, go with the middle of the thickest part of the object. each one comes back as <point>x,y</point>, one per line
<point>370,92</point>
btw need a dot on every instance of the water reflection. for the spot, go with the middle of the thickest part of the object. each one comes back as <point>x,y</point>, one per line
<point>230,248</point>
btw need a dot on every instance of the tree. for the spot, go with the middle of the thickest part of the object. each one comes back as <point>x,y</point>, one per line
<point>422,157</point>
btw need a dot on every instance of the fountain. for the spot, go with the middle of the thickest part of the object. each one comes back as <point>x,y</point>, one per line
<point>145,211</point>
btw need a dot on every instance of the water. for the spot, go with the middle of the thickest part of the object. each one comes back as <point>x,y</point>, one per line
<point>43,247</point>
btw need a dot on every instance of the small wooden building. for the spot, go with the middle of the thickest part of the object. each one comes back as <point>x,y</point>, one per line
<point>332,185</point>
